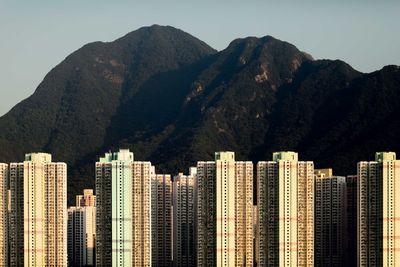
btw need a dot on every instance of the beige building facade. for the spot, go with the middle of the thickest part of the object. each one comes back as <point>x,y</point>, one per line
<point>38,212</point>
<point>141,213</point>
<point>4,225</point>
<point>82,230</point>
<point>224,212</point>
<point>285,228</point>
<point>378,211</point>
<point>88,199</point>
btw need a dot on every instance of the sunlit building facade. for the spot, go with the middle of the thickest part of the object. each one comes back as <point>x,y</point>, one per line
<point>82,231</point>
<point>38,213</point>
<point>285,204</point>
<point>123,204</point>
<point>224,234</point>
<point>88,199</point>
<point>378,211</point>
<point>4,215</point>
<point>141,213</point>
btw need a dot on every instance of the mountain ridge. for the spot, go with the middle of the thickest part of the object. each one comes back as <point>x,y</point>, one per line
<point>174,100</point>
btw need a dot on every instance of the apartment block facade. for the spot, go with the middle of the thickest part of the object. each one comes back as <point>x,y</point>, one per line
<point>82,231</point>
<point>161,220</point>
<point>88,199</point>
<point>4,225</point>
<point>330,219</point>
<point>285,234</point>
<point>378,211</point>
<point>224,232</point>
<point>184,219</point>
<point>351,220</point>
<point>123,200</point>
<point>38,216</point>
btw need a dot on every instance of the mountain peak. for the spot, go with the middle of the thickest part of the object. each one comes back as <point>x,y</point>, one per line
<point>153,30</point>
<point>253,42</point>
<point>163,36</point>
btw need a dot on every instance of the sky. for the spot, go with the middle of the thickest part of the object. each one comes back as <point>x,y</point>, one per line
<point>38,35</point>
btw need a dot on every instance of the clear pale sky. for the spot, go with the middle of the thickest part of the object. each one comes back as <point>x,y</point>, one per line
<point>37,35</point>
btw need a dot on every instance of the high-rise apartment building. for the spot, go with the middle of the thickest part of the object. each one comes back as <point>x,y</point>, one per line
<point>4,214</point>
<point>285,235</point>
<point>16,214</point>
<point>87,199</point>
<point>141,213</point>
<point>123,203</point>
<point>378,211</point>
<point>161,220</point>
<point>184,219</point>
<point>330,219</point>
<point>82,231</point>
<point>224,212</point>
<point>38,212</point>
<point>351,220</point>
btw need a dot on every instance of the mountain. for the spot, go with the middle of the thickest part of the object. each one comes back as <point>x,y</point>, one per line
<point>174,100</point>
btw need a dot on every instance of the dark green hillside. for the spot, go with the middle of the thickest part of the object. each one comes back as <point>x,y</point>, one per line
<point>73,111</point>
<point>174,100</point>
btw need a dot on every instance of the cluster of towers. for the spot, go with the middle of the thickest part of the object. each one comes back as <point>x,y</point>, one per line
<point>223,213</point>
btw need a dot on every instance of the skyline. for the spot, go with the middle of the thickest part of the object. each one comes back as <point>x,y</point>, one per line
<point>225,230</point>
<point>359,33</point>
